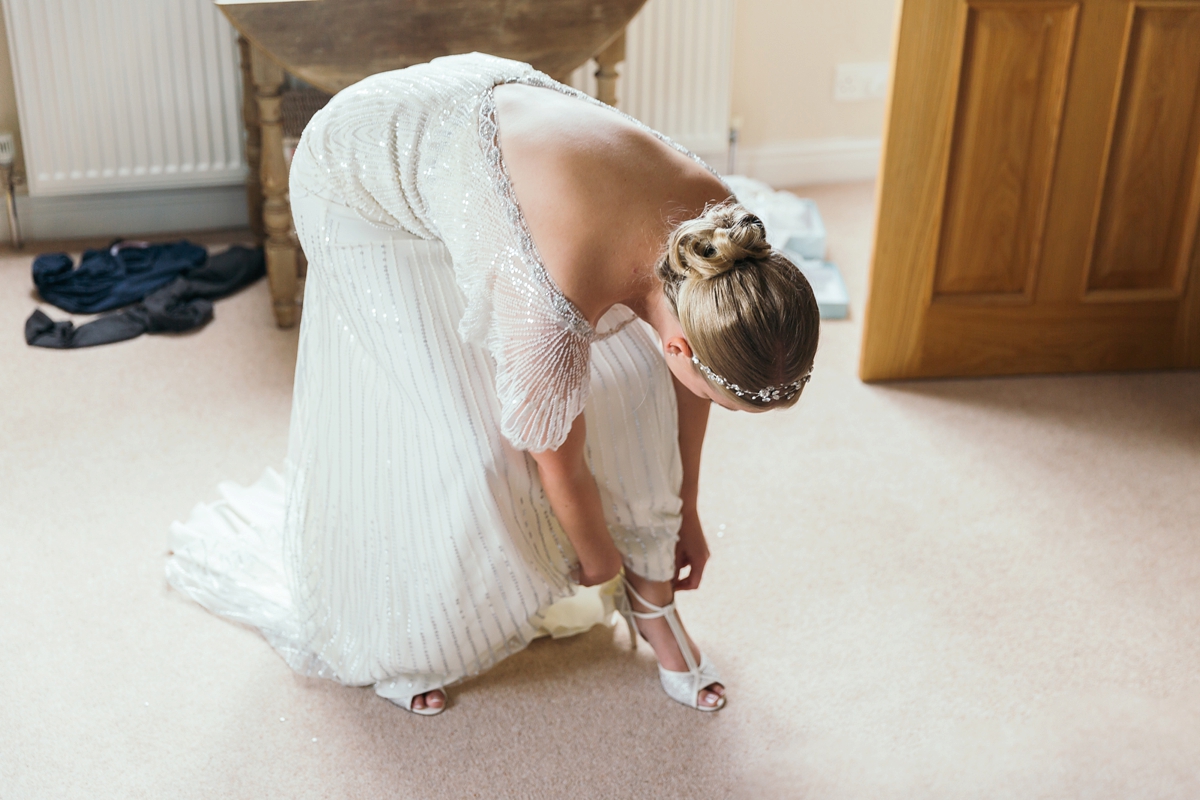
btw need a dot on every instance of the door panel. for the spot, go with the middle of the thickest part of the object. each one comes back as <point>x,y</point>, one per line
<point>1010,95</point>
<point>1142,234</point>
<point>1112,337</point>
<point>1040,190</point>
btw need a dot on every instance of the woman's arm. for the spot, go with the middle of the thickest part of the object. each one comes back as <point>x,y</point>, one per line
<point>573,496</point>
<point>692,549</point>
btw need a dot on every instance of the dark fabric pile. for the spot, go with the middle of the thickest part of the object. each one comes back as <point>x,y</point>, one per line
<point>175,284</point>
<point>114,277</point>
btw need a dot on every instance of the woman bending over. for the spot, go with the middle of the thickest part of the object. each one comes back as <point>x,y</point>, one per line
<point>519,306</point>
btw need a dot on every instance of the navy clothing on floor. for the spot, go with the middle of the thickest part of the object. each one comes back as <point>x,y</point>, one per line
<point>108,279</point>
<point>181,305</point>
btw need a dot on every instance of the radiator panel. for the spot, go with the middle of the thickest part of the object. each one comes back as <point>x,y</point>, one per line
<point>677,74</point>
<point>164,111</point>
<point>133,94</point>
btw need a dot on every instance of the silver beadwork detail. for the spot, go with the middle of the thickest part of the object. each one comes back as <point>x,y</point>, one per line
<point>770,394</point>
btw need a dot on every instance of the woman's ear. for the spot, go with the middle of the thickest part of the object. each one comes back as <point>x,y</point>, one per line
<point>678,346</point>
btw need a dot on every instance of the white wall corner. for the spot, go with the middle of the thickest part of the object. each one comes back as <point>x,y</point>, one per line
<point>806,161</point>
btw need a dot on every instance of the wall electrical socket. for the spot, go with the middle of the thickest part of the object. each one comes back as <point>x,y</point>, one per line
<point>865,81</point>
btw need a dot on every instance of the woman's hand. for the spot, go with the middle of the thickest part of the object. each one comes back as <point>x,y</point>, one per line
<point>690,551</point>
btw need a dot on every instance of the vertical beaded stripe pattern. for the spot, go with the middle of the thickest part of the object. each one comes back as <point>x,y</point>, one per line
<point>411,545</point>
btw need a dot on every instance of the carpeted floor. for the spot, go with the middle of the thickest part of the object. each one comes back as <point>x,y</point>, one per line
<point>959,589</point>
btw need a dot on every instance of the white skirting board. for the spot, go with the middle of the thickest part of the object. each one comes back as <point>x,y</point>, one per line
<point>130,213</point>
<point>808,161</point>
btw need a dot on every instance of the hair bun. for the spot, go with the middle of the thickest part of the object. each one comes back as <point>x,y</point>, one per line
<point>720,239</point>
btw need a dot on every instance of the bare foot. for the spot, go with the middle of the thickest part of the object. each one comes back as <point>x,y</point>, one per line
<point>433,699</point>
<point>658,633</point>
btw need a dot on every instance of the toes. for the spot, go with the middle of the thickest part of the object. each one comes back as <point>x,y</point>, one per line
<point>711,695</point>
<point>433,699</point>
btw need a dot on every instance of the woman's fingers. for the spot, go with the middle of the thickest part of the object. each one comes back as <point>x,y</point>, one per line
<point>692,581</point>
<point>691,552</point>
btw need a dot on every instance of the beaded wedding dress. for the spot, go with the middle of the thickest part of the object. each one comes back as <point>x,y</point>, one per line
<point>408,543</point>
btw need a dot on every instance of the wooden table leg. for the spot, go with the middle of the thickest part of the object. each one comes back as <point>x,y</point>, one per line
<point>606,69</point>
<point>277,213</point>
<point>254,195</point>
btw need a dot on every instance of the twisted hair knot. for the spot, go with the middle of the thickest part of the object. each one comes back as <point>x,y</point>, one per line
<point>724,237</point>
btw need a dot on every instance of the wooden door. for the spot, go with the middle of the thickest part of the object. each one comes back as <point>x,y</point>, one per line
<point>1040,190</point>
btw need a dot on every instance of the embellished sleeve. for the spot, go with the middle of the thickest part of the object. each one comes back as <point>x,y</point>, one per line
<point>539,340</point>
<point>542,367</point>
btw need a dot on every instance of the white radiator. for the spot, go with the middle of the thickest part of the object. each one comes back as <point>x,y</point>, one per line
<point>677,75</point>
<point>118,95</point>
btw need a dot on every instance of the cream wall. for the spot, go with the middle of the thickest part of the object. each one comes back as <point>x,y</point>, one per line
<point>784,60</point>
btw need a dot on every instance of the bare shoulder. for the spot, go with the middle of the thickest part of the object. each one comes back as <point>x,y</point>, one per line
<point>598,192</point>
<point>556,125</point>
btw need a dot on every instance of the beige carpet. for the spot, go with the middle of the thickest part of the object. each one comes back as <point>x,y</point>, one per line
<point>961,589</point>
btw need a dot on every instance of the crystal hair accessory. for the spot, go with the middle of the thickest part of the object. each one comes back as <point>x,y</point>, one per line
<point>784,392</point>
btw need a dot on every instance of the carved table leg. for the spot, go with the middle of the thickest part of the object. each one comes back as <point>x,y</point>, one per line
<point>606,69</point>
<point>254,195</point>
<point>277,213</point>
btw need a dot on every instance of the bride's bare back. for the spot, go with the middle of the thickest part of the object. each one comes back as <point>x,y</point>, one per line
<point>599,194</point>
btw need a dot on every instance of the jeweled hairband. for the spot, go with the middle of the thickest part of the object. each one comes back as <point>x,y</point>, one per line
<point>785,392</point>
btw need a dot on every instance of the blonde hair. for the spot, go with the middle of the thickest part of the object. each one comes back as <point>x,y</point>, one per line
<point>748,313</point>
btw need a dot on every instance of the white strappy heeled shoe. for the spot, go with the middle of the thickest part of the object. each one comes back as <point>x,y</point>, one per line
<point>682,687</point>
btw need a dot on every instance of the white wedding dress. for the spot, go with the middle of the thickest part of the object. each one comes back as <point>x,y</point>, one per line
<point>409,543</point>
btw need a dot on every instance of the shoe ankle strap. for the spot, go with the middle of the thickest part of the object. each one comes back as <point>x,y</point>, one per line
<point>655,611</point>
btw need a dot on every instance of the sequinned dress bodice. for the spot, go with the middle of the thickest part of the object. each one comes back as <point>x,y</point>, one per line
<point>418,149</point>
